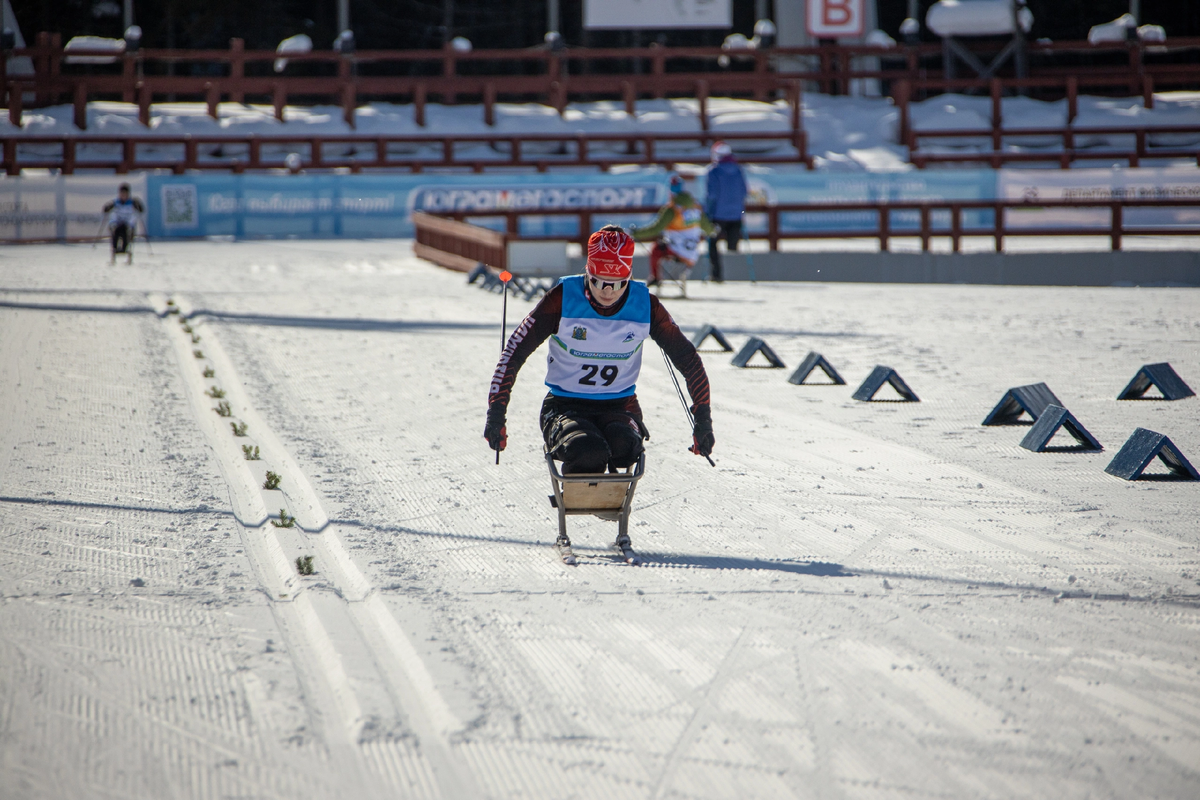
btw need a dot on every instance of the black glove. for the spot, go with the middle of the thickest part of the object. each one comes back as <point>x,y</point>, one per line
<point>495,431</point>
<point>702,432</point>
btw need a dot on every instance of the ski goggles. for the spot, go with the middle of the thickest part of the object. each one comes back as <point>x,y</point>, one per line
<point>599,284</point>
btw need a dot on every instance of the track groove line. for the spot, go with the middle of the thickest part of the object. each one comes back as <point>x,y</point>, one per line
<point>317,662</point>
<point>703,710</point>
<point>409,683</point>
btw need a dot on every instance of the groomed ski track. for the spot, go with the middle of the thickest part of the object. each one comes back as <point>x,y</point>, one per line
<point>861,600</point>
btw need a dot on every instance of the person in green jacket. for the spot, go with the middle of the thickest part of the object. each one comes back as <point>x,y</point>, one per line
<point>677,230</point>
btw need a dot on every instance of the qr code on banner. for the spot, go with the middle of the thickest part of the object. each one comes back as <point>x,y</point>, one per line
<point>179,206</point>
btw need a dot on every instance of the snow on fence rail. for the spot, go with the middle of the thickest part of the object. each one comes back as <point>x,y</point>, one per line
<point>926,220</point>
<point>357,152</point>
<point>1143,137</point>
<point>1143,82</point>
<point>549,76</point>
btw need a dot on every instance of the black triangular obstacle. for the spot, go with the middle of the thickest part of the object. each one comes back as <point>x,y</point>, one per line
<point>1032,399</point>
<point>1161,375</point>
<point>714,332</point>
<point>756,345</point>
<point>1053,418</point>
<point>875,381</point>
<point>811,362</point>
<point>1140,450</point>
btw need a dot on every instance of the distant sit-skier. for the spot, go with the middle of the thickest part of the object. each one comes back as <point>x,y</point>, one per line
<point>597,324</point>
<point>123,214</point>
<point>678,229</point>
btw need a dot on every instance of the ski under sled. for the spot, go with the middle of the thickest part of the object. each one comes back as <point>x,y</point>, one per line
<point>607,495</point>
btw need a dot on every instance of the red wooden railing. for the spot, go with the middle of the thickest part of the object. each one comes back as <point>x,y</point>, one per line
<point>457,245</point>
<point>237,74</point>
<point>1143,83</point>
<point>884,230</point>
<point>1069,153</point>
<point>551,77</point>
<point>358,152</point>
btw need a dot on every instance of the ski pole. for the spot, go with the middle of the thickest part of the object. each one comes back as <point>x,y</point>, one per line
<point>679,391</point>
<point>99,233</point>
<point>749,253</point>
<point>146,235</point>
<point>505,277</point>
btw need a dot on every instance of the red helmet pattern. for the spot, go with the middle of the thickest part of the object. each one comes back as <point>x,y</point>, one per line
<point>610,255</point>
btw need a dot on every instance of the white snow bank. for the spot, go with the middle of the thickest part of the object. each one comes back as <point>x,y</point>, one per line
<point>975,18</point>
<point>1115,31</point>
<point>114,46</point>
<point>293,45</point>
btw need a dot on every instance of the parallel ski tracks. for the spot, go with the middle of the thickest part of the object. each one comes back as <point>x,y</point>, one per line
<point>427,771</point>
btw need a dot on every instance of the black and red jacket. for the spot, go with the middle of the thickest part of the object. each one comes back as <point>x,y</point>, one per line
<point>543,321</point>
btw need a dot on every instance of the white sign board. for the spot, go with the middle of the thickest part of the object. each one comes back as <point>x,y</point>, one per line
<point>655,14</point>
<point>1150,183</point>
<point>830,19</point>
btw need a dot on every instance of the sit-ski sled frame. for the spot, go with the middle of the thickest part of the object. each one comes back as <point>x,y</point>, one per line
<point>607,495</point>
<point>675,270</point>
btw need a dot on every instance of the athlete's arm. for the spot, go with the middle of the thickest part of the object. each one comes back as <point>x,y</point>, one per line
<point>109,206</point>
<point>137,206</point>
<point>536,328</point>
<point>652,231</point>
<point>683,355</point>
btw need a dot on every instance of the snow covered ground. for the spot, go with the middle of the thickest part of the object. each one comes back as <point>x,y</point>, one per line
<point>861,600</point>
<point>844,133</point>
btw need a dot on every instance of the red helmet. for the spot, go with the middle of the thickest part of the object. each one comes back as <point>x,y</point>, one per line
<point>610,255</point>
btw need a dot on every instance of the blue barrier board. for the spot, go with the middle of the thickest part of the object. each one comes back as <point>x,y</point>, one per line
<point>379,206</point>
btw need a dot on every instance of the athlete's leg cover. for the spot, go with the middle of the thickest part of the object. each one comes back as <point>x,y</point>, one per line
<point>120,238</point>
<point>624,440</point>
<point>578,443</point>
<point>656,256</point>
<point>590,435</point>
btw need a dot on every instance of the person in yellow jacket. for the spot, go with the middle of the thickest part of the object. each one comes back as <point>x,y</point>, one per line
<point>677,230</point>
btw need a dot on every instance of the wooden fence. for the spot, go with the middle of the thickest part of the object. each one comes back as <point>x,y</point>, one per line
<point>457,245</point>
<point>884,229</point>
<point>359,152</point>
<point>554,78</point>
<point>1143,145</point>
<point>1142,83</point>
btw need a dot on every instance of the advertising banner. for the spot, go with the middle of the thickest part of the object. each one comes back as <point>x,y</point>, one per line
<point>779,187</point>
<point>658,14</point>
<point>379,206</point>
<point>59,208</point>
<point>1151,183</point>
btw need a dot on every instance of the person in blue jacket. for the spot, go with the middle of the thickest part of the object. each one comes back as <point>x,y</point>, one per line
<point>724,202</point>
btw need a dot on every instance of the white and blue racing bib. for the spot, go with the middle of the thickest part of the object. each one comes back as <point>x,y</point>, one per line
<point>594,356</point>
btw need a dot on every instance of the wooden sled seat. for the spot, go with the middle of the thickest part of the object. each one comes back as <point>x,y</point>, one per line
<point>608,495</point>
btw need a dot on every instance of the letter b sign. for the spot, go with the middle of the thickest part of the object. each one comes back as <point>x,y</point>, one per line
<point>829,19</point>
